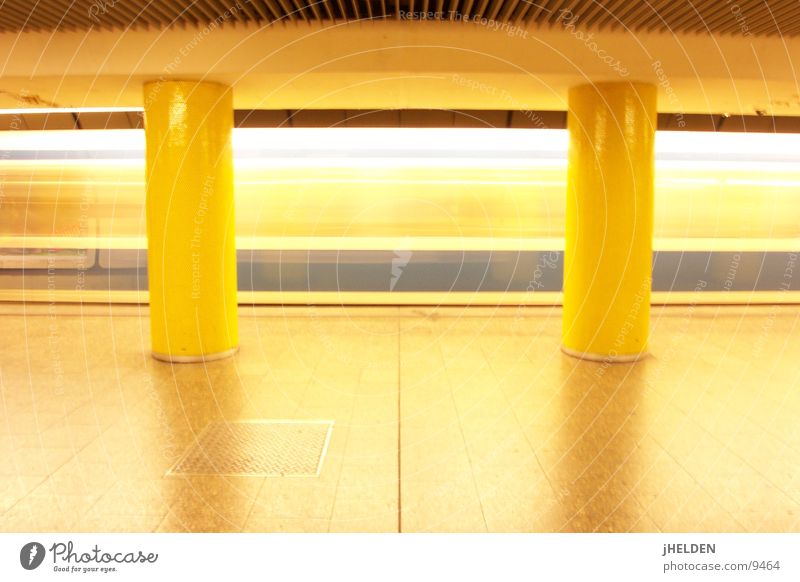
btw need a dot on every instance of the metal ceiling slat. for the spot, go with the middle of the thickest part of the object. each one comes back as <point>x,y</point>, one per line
<point>523,10</point>
<point>314,6</point>
<point>656,19</point>
<point>625,15</point>
<point>117,21</point>
<point>762,17</point>
<point>508,11</point>
<point>21,18</point>
<point>67,16</point>
<point>770,19</point>
<point>241,15</point>
<point>187,11</point>
<point>250,10</point>
<point>728,28</point>
<point>329,9</point>
<point>172,12</point>
<point>275,10</point>
<point>196,13</point>
<point>137,14</point>
<point>574,7</point>
<point>481,8</point>
<point>200,8</point>
<point>162,19</point>
<point>538,8</point>
<point>121,15</point>
<point>495,8</point>
<point>299,11</point>
<point>218,8</point>
<point>287,10</point>
<point>701,16</point>
<point>770,12</point>
<point>346,13</point>
<point>261,9</point>
<point>594,12</point>
<point>716,16</point>
<point>633,19</point>
<point>791,27</point>
<point>10,23</point>
<point>558,9</point>
<point>667,17</point>
<point>519,12</point>
<point>791,24</point>
<point>47,18</point>
<point>608,16</point>
<point>579,8</point>
<point>4,18</point>
<point>467,10</point>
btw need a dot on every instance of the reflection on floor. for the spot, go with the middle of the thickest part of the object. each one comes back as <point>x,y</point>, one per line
<point>449,419</point>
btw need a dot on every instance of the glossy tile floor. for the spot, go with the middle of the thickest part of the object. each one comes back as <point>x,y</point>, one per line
<point>448,419</point>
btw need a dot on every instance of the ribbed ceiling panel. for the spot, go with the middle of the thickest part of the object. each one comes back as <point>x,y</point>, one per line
<point>743,17</point>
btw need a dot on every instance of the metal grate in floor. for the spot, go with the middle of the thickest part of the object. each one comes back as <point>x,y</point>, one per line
<point>263,448</point>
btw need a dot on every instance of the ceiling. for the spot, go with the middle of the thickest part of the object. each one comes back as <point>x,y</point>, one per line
<point>739,18</point>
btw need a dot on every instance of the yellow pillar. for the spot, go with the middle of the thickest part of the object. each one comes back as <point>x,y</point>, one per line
<point>191,252</point>
<point>609,232</point>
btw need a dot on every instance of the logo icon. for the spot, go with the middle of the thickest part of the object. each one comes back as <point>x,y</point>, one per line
<point>399,261</point>
<point>31,555</point>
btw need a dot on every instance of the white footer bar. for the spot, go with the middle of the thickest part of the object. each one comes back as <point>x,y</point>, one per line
<point>412,557</point>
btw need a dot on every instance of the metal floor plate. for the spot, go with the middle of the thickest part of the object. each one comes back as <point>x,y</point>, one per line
<point>263,448</point>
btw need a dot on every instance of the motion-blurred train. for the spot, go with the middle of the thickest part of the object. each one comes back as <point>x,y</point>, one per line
<point>399,215</point>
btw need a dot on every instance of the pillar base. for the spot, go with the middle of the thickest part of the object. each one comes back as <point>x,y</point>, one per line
<point>195,359</point>
<point>592,357</point>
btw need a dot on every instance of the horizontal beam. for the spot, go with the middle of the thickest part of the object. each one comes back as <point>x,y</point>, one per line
<point>517,299</point>
<point>401,65</point>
